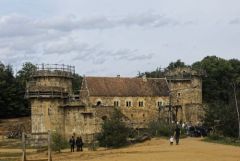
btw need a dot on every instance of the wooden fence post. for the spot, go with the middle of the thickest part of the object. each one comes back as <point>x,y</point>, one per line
<point>49,146</point>
<point>23,147</point>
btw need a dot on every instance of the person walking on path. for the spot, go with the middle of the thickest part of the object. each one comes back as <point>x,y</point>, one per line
<point>177,134</point>
<point>72,143</point>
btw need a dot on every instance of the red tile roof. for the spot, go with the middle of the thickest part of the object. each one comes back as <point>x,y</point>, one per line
<point>126,87</point>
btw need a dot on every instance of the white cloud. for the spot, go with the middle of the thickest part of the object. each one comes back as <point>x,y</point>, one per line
<point>124,40</point>
<point>235,21</point>
<point>22,35</point>
<point>15,25</point>
<point>18,25</point>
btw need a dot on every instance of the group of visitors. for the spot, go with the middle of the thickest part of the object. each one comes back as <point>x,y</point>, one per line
<point>78,142</point>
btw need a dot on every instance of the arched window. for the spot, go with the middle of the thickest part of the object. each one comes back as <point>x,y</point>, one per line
<point>116,102</point>
<point>104,118</point>
<point>141,103</point>
<point>159,103</point>
<point>99,103</point>
<point>128,103</point>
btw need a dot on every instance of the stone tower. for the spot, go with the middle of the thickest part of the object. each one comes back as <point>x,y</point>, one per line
<point>186,94</point>
<point>48,91</point>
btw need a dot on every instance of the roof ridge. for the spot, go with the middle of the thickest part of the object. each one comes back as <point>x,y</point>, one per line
<point>121,77</point>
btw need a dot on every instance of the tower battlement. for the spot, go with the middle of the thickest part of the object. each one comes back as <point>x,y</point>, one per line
<point>51,81</point>
<point>54,70</point>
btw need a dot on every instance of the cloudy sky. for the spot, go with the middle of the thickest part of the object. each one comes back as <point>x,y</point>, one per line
<point>110,37</point>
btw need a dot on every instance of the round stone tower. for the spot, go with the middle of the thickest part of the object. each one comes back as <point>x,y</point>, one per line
<point>48,91</point>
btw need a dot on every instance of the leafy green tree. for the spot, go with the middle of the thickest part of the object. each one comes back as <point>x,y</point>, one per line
<point>77,81</point>
<point>114,131</point>
<point>218,94</point>
<point>176,64</point>
<point>24,75</point>
<point>12,102</point>
<point>160,128</point>
<point>58,142</point>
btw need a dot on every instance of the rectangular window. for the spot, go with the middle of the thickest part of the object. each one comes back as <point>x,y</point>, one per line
<point>116,104</point>
<point>140,103</point>
<point>128,103</point>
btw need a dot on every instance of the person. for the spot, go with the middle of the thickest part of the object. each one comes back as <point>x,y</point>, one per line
<point>79,143</point>
<point>183,125</point>
<point>72,143</point>
<point>171,140</point>
<point>177,134</point>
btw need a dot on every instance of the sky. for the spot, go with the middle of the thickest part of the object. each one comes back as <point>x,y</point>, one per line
<point>117,37</point>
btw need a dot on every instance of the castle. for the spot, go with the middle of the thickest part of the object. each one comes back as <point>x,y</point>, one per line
<point>176,97</point>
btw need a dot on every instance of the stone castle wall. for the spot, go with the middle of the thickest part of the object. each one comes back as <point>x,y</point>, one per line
<point>46,115</point>
<point>186,90</point>
<point>139,116</point>
<point>62,82</point>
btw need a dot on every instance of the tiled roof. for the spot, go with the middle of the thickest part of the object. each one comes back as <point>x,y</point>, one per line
<point>126,87</point>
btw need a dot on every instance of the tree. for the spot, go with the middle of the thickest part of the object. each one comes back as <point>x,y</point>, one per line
<point>58,142</point>
<point>24,75</point>
<point>77,81</point>
<point>12,102</point>
<point>237,110</point>
<point>235,84</point>
<point>176,64</point>
<point>218,93</point>
<point>114,131</point>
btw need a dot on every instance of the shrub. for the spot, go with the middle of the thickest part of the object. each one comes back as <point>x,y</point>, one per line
<point>58,142</point>
<point>215,137</point>
<point>114,132</point>
<point>160,128</point>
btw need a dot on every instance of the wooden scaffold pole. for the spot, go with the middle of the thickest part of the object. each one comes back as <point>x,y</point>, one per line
<point>49,146</point>
<point>23,147</point>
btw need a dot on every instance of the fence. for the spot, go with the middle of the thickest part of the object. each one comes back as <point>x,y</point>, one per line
<point>36,139</point>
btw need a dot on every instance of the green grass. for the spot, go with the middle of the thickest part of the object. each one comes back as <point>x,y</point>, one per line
<point>222,140</point>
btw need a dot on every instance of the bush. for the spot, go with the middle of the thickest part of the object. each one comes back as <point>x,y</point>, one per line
<point>114,132</point>
<point>160,128</point>
<point>222,140</point>
<point>58,142</point>
<point>215,137</point>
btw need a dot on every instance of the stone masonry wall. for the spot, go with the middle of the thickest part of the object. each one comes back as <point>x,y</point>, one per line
<point>46,115</point>
<point>139,116</point>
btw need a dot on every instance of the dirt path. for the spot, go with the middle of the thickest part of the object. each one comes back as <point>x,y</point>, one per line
<point>190,149</point>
